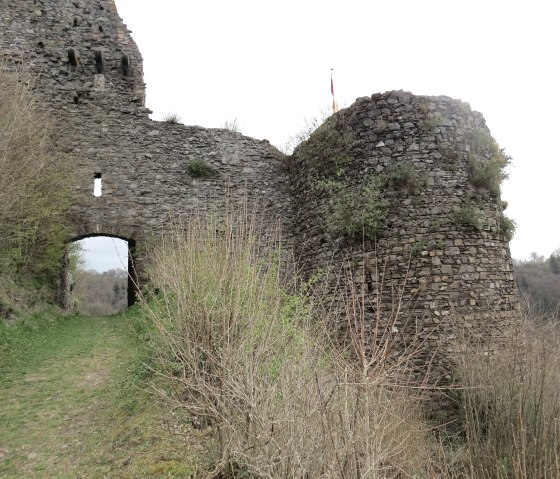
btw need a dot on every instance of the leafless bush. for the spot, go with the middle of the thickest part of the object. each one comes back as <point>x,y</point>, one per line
<point>232,125</point>
<point>512,405</point>
<point>174,118</point>
<point>251,362</point>
<point>309,126</point>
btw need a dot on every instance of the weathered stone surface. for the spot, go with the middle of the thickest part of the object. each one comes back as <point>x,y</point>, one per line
<point>450,277</point>
<point>104,124</point>
<point>453,279</point>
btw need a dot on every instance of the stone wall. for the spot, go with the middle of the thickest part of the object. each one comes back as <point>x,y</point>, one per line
<point>78,50</point>
<point>441,254</point>
<point>102,122</point>
<point>413,169</point>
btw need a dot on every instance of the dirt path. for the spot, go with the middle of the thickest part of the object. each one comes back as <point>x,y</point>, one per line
<point>68,409</point>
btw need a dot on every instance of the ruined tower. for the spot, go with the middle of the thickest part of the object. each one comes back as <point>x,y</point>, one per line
<point>404,191</point>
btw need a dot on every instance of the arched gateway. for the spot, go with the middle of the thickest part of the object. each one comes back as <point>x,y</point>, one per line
<point>406,163</point>
<point>132,265</point>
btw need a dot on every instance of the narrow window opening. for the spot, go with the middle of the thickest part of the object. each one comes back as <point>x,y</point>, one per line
<point>97,185</point>
<point>75,22</point>
<point>100,29</point>
<point>99,62</point>
<point>125,65</point>
<point>72,57</point>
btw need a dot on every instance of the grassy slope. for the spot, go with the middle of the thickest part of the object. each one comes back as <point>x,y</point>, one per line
<point>68,407</point>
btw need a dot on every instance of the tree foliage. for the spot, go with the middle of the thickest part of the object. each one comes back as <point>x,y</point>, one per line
<point>539,279</point>
<point>34,184</point>
<point>101,294</point>
<point>554,262</point>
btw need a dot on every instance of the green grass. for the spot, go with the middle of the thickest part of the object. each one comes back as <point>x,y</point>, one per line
<point>74,403</point>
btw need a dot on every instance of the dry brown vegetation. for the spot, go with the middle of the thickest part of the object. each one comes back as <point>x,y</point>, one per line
<point>512,406</point>
<point>251,362</point>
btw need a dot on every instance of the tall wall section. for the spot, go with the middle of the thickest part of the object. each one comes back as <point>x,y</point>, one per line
<point>88,70</point>
<point>422,174</point>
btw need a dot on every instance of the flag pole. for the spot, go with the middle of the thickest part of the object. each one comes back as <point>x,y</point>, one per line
<point>334,105</point>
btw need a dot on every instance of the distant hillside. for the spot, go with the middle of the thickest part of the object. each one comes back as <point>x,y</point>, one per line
<point>100,294</point>
<point>539,281</point>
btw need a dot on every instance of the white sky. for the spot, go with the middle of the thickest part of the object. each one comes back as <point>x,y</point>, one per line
<point>267,64</point>
<point>102,253</point>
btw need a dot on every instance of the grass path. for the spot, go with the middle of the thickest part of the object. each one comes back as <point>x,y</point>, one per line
<point>69,409</point>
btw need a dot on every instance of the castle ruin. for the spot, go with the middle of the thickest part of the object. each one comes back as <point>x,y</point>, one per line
<point>396,184</point>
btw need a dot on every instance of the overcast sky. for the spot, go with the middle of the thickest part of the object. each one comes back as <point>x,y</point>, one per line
<point>102,253</point>
<point>267,64</point>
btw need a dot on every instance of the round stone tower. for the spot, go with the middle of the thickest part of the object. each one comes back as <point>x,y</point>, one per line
<point>402,192</point>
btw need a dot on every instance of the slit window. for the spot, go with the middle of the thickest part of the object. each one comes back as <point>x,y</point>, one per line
<point>99,62</point>
<point>72,57</point>
<point>97,184</point>
<point>125,64</point>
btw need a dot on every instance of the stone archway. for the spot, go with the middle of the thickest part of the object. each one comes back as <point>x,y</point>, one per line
<point>66,280</point>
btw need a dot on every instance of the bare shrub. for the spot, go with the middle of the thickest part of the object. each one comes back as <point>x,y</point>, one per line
<point>251,363</point>
<point>512,406</point>
<point>173,118</point>
<point>232,125</point>
<point>309,126</point>
<point>35,183</point>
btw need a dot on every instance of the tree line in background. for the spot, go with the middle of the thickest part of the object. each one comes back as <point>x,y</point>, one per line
<point>105,293</point>
<point>100,294</point>
<point>538,279</point>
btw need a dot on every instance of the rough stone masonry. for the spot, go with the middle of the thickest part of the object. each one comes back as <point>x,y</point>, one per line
<point>395,192</point>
